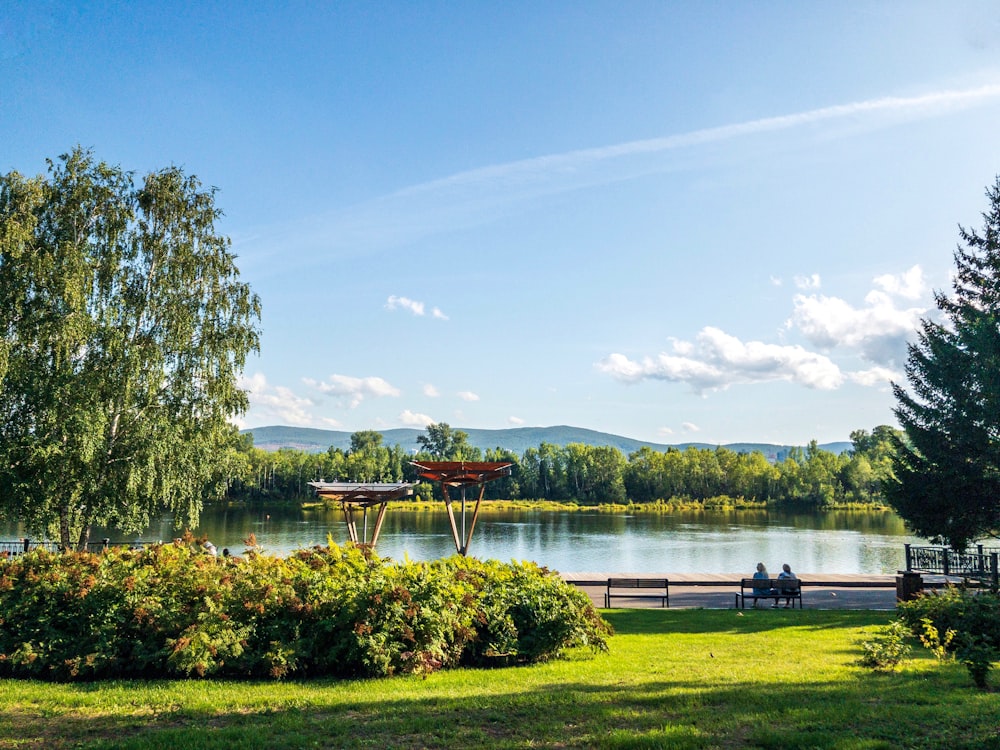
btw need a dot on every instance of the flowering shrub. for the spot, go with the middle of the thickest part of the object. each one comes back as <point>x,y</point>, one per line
<point>173,610</point>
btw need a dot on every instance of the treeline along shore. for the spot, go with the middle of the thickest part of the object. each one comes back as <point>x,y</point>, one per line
<point>585,474</point>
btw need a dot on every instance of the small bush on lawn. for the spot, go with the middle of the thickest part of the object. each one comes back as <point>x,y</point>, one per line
<point>175,610</point>
<point>969,620</point>
<point>886,649</point>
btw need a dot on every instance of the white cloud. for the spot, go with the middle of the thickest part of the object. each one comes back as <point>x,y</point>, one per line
<point>876,376</point>
<point>664,431</point>
<point>808,282</point>
<point>414,419</point>
<point>355,390</point>
<point>909,284</point>
<point>690,427</point>
<point>405,303</point>
<point>413,306</point>
<point>515,420</point>
<point>879,330</point>
<point>717,360</point>
<point>468,396</point>
<point>279,404</point>
<point>430,391</point>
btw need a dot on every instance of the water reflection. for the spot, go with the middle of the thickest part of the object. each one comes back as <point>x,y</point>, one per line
<point>685,542</point>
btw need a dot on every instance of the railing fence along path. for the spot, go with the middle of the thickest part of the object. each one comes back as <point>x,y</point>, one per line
<point>982,564</point>
<point>20,546</point>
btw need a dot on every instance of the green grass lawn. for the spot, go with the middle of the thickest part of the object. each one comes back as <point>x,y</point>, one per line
<point>672,679</point>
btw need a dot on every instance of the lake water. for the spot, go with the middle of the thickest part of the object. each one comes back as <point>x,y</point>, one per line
<point>840,541</point>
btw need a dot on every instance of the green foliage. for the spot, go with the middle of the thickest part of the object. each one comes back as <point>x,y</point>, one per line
<point>933,641</point>
<point>886,648</point>
<point>124,326</point>
<point>947,470</point>
<point>177,610</point>
<point>442,443</point>
<point>970,621</point>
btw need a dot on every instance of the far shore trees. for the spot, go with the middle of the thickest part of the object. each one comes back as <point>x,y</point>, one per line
<point>594,474</point>
<point>947,468</point>
<point>123,327</point>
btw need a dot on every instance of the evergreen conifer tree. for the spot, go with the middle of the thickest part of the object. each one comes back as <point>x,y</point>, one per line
<point>947,465</point>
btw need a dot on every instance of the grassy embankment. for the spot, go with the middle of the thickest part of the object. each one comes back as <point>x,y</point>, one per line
<point>672,679</point>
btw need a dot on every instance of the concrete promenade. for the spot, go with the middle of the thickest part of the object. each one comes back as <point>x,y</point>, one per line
<point>718,590</point>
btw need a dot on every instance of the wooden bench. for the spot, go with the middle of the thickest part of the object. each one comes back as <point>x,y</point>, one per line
<point>754,589</point>
<point>626,588</point>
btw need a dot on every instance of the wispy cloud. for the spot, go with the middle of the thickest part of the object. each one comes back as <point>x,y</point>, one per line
<point>517,421</point>
<point>353,390</point>
<point>412,306</point>
<point>808,282</point>
<point>560,166</point>
<point>415,419</point>
<point>468,396</point>
<point>470,198</point>
<point>279,404</point>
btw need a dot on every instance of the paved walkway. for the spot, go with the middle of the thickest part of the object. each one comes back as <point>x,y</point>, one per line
<point>718,590</point>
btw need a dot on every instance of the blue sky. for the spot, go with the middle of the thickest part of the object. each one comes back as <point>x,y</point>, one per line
<point>673,221</point>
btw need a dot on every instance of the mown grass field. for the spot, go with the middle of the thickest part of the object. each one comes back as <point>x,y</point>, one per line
<point>672,679</point>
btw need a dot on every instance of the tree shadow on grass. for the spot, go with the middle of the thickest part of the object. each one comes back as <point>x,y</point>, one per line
<point>615,710</point>
<point>654,621</point>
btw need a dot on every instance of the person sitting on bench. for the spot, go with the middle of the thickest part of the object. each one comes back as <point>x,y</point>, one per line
<point>789,585</point>
<point>764,588</point>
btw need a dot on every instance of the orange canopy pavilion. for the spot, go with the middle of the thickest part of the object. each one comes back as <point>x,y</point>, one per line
<point>462,474</point>
<point>362,495</point>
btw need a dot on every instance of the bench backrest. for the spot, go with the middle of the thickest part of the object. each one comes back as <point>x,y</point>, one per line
<point>784,585</point>
<point>638,583</point>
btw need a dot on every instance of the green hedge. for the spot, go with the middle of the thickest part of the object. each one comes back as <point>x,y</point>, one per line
<point>173,610</point>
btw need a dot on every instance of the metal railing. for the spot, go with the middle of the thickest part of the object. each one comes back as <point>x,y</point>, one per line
<point>981,564</point>
<point>20,546</point>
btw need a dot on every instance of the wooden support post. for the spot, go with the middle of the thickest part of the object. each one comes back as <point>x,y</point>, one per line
<point>352,530</point>
<point>378,523</point>
<point>475,516</point>
<point>451,520</point>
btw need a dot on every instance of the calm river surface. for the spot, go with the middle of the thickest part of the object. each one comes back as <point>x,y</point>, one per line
<point>582,541</point>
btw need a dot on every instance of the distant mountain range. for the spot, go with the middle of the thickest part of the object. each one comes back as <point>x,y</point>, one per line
<point>517,440</point>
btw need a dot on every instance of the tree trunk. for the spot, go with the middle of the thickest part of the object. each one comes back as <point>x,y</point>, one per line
<point>84,537</point>
<point>64,540</point>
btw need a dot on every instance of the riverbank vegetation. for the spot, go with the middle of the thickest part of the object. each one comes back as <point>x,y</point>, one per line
<point>592,476</point>
<point>674,678</point>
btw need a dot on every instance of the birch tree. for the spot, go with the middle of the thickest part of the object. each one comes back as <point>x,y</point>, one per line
<point>123,329</point>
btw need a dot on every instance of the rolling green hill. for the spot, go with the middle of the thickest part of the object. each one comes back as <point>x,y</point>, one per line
<point>516,439</point>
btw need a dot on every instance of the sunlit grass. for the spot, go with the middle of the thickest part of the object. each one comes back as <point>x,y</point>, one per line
<point>673,679</point>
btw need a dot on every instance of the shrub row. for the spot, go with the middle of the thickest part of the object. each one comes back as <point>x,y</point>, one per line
<point>173,610</point>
